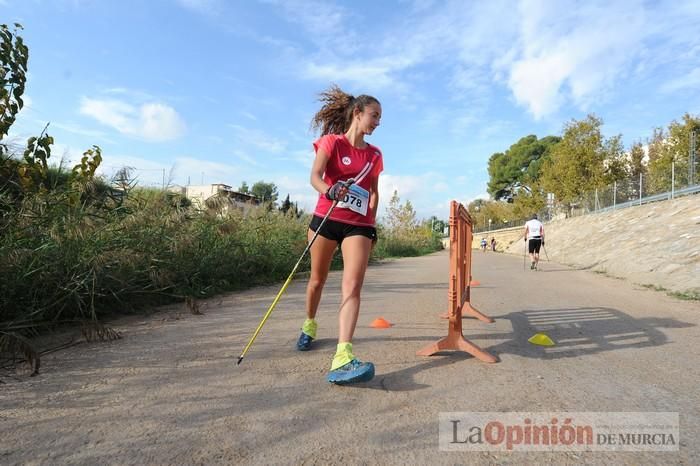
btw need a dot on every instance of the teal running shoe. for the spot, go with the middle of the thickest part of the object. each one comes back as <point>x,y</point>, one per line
<point>304,342</point>
<point>353,372</point>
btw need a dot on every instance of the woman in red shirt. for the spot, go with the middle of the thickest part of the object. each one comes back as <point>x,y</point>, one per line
<point>341,154</point>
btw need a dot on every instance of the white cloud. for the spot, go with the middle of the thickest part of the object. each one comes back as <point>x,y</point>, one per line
<point>249,116</point>
<point>365,75</point>
<point>28,102</point>
<point>246,158</point>
<point>258,139</point>
<point>317,17</point>
<point>690,80</point>
<point>144,172</point>
<point>573,52</point>
<point>75,128</point>
<point>441,187</point>
<point>198,170</point>
<point>406,186</point>
<point>303,157</point>
<point>547,54</point>
<point>149,172</point>
<point>151,121</point>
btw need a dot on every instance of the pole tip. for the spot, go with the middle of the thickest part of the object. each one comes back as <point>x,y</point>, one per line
<point>239,360</point>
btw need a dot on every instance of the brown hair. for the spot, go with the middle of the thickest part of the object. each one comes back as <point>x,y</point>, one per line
<point>336,114</point>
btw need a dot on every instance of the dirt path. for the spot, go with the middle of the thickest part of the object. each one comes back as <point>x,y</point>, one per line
<point>171,393</point>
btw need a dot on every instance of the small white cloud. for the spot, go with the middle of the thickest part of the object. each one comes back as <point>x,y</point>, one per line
<point>160,122</point>
<point>365,75</point>
<point>317,17</point>
<point>28,102</point>
<point>199,171</point>
<point>303,157</point>
<point>405,185</point>
<point>441,187</point>
<point>151,122</point>
<point>246,158</point>
<point>258,139</point>
<point>690,80</point>
<point>75,128</point>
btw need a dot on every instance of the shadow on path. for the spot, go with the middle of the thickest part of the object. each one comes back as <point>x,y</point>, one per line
<point>579,331</point>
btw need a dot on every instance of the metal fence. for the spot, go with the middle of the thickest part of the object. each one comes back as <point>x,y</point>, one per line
<point>628,193</point>
<point>619,195</point>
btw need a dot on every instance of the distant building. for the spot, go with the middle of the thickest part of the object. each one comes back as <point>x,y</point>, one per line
<point>199,194</point>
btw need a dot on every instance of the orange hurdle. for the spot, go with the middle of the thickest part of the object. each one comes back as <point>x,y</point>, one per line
<point>459,289</point>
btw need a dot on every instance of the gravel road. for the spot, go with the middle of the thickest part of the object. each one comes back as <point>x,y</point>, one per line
<point>170,391</point>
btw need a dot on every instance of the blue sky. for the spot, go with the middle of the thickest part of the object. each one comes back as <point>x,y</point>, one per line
<point>223,91</point>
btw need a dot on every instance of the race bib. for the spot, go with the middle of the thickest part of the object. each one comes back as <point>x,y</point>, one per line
<point>356,200</point>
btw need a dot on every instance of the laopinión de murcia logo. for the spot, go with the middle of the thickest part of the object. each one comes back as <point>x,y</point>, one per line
<point>559,431</point>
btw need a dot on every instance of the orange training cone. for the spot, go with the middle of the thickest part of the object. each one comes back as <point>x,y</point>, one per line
<point>380,322</point>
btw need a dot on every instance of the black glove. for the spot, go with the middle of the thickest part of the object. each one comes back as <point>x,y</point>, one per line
<point>542,242</point>
<point>333,192</point>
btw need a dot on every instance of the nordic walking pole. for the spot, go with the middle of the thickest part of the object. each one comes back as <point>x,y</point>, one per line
<point>289,279</point>
<point>545,252</point>
<point>524,255</point>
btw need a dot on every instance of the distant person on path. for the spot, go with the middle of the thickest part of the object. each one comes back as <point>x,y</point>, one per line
<point>483,244</point>
<point>493,243</point>
<point>534,235</point>
<point>342,153</point>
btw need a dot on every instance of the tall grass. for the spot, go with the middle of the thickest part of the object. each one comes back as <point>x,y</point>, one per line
<point>77,253</point>
<point>415,241</point>
<point>63,264</point>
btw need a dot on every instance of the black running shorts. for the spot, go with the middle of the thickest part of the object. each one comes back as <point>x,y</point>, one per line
<point>533,246</point>
<point>338,231</point>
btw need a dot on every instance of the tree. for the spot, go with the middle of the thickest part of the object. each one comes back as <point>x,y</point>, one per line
<point>578,163</point>
<point>671,148</point>
<point>244,189</point>
<point>14,56</point>
<point>528,203</point>
<point>481,211</point>
<point>286,205</point>
<point>400,218</point>
<point>29,174</point>
<point>266,192</point>
<point>635,166</point>
<point>518,168</point>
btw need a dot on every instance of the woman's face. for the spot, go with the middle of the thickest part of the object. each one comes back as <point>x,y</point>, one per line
<point>369,118</point>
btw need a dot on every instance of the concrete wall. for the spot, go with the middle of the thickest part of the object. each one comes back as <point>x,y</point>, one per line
<point>654,244</point>
<point>504,237</point>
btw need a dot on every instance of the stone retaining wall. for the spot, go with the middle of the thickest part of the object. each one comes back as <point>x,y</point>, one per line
<point>654,244</point>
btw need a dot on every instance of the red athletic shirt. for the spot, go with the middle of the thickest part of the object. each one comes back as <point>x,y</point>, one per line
<point>346,161</point>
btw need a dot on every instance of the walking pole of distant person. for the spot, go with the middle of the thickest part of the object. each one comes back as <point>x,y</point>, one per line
<point>534,238</point>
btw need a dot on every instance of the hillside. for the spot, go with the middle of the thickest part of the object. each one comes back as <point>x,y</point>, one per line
<point>655,244</point>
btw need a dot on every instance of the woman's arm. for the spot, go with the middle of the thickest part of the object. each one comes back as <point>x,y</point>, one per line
<point>374,197</point>
<point>317,171</point>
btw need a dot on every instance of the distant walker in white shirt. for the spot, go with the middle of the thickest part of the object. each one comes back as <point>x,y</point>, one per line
<point>534,236</point>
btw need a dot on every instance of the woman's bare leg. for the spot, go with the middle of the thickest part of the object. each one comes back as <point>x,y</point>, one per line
<point>356,250</point>
<point>321,256</point>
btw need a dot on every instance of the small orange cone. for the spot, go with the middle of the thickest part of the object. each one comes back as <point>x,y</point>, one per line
<point>380,322</point>
<point>474,283</point>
